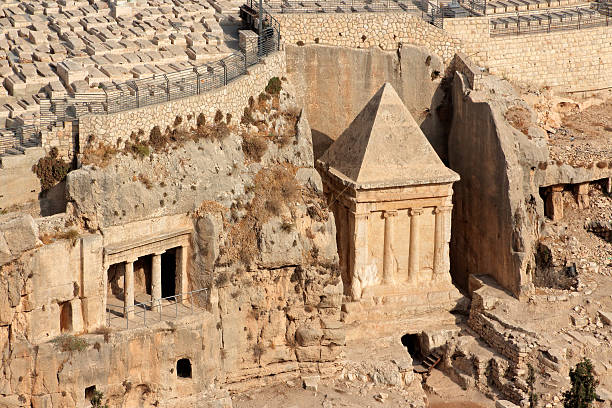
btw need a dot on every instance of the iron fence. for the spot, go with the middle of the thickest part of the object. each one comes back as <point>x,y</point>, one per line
<point>551,21</point>
<point>137,93</point>
<point>157,310</point>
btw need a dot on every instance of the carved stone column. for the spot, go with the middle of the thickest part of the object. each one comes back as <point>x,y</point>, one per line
<point>181,272</point>
<point>358,258</point>
<point>414,255</point>
<point>128,290</point>
<point>440,243</point>
<point>156,289</point>
<point>388,271</point>
<point>554,203</point>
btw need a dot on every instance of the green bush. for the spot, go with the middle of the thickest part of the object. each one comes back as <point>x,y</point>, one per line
<point>274,86</point>
<point>96,400</point>
<point>582,394</point>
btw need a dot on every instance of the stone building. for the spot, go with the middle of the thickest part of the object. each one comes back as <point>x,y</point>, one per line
<point>392,199</point>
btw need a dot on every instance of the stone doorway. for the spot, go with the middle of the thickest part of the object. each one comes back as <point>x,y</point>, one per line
<point>65,317</point>
<point>168,273</point>
<point>413,345</point>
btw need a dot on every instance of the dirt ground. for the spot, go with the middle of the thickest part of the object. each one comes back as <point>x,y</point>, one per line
<point>584,137</point>
<point>443,393</point>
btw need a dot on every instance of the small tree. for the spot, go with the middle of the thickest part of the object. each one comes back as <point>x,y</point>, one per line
<point>582,393</point>
<point>531,379</point>
<point>96,400</point>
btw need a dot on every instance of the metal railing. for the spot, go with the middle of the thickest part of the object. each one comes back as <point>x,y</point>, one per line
<point>153,310</point>
<point>156,89</point>
<point>551,21</point>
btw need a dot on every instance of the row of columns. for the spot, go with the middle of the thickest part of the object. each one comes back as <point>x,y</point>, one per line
<point>156,278</point>
<point>359,245</point>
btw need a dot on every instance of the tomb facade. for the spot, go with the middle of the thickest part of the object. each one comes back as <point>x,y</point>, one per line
<point>392,200</point>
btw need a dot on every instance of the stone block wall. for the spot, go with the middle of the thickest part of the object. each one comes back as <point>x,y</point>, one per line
<point>61,137</point>
<point>571,60</point>
<point>365,30</point>
<point>228,99</point>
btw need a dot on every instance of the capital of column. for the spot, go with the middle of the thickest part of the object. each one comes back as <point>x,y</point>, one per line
<point>442,208</point>
<point>389,213</point>
<point>415,212</point>
<point>131,260</point>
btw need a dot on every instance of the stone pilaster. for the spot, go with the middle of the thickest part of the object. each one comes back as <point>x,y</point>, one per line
<point>414,265</point>
<point>156,289</point>
<point>358,258</point>
<point>128,290</point>
<point>440,242</point>
<point>388,269</point>
<point>182,283</point>
<point>554,203</point>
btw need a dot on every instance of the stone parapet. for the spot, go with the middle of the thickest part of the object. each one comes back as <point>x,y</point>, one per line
<point>232,99</point>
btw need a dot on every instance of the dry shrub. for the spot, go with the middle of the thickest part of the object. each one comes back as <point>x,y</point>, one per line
<point>258,350</point>
<point>254,147</point>
<point>72,235</point>
<point>274,189</point>
<point>602,165</point>
<point>67,342</point>
<point>542,165</point>
<point>51,169</point>
<point>201,120</point>
<point>99,156</point>
<point>144,180</point>
<point>157,139</point>
<point>247,117</point>
<point>519,118</point>
<point>218,116</point>
<point>177,121</point>
<point>274,86</point>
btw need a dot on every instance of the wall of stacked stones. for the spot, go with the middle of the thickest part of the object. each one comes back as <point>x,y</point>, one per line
<point>231,98</point>
<point>572,59</point>
<point>365,30</point>
<point>62,138</point>
<point>494,334</point>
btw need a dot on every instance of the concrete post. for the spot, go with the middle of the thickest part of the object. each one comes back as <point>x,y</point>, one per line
<point>128,290</point>
<point>156,289</point>
<point>388,270</point>
<point>182,285</point>
<point>440,239</point>
<point>414,249</point>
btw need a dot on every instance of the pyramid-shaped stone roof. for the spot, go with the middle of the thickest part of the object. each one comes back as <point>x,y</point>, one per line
<point>384,147</point>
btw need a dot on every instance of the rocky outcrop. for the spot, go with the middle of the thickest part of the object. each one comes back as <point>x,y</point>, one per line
<point>262,244</point>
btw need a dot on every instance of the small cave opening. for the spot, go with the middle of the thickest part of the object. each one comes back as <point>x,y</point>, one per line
<point>183,368</point>
<point>413,345</point>
<point>90,392</point>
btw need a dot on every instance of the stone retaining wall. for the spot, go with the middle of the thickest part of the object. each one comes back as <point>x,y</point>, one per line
<point>364,30</point>
<point>571,60</point>
<point>231,98</point>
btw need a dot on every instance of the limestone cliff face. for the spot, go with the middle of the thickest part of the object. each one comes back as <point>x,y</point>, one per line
<point>262,243</point>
